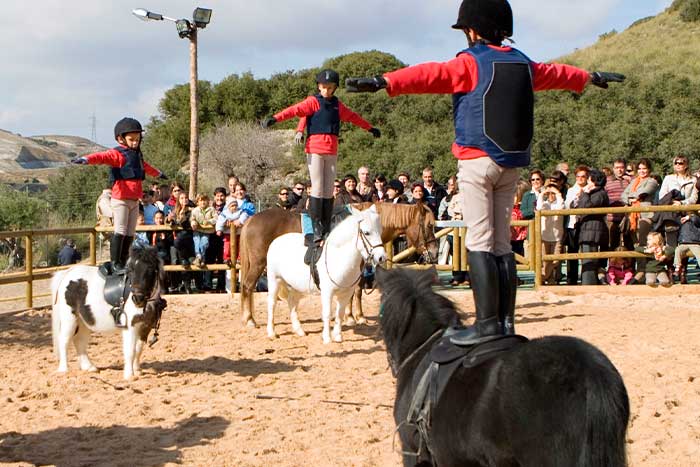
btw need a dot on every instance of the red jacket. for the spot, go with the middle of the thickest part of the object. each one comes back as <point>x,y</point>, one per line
<point>122,189</point>
<point>323,143</point>
<point>460,75</point>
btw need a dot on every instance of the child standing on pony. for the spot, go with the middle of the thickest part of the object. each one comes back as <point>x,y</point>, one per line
<point>323,113</point>
<point>127,173</point>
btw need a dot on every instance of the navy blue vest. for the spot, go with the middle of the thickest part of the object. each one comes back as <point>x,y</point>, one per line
<point>132,169</point>
<point>326,120</point>
<point>498,115</point>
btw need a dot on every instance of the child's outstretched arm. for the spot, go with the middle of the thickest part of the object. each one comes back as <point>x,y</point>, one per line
<point>304,108</point>
<point>348,115</point>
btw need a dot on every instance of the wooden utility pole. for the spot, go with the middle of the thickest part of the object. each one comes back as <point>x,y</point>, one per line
<point>194,116</point>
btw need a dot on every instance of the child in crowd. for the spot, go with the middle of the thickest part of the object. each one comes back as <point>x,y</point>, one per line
<point>660,254</point>
<point>518,234</point>
<point>620,270</point>
<point>202,220</point>
<point>550,198</point>
<point>394,193</point>
<point>180,217</point>
<point>128,170</point>
<point>215,252</point>
<point>141,238</point>
<point>149,208</point>
<point>323,113</point>
<point>162,240</point>
<point>228,216</point>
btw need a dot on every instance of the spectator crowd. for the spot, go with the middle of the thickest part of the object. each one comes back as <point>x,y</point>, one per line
<point>665,239</point>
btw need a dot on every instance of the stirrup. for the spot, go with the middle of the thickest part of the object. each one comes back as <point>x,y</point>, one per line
<point>117,314</point>
<point>481,331</point>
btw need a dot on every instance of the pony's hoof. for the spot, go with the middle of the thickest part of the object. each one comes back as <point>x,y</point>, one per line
<point>361,320</point>
<point>300,332</point>
<point>62,371</point>
<point>137,372</point>
<point>91,369</point>
<point>250,324</point>
<point>326,340</point>
<point>337,338</point>
<point>349,322</point>
<point>272,336</point>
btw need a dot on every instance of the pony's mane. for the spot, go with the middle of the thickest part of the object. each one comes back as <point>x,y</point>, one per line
<point>408,302</point>
<point>145,253</point>
<point>394,215</point>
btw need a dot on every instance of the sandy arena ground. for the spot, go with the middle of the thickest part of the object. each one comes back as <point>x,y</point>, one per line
<point>218,394</point>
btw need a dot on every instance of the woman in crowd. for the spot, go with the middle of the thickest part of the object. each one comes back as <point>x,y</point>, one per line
<point>593,231</point>
<point>418,193</point>
<point>348,193</point>
<point>527,204</point>
<point>552,229</point>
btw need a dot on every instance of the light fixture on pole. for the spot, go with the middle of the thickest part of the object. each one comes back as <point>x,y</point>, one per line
<point>187,29</point>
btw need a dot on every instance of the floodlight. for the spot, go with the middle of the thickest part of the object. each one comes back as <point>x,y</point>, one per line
<point>201,17</point>
<point>146,15</point>
<point>184,28</point>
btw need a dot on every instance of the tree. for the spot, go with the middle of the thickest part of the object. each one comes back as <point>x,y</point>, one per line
<point>18,211</point>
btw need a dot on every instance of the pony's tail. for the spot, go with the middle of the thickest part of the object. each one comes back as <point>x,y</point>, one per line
<point>56,282</point>
<point>608,411</point>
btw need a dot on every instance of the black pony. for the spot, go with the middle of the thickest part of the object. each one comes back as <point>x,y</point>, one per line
<point>553,401</point>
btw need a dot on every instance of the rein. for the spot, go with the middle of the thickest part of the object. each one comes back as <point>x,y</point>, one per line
<point>395,371</point>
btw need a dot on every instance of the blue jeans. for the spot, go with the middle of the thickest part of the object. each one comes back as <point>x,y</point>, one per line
<point>201,243</point>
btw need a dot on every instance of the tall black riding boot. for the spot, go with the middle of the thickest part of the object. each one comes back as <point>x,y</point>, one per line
<point>484,277</point>
<point>126,246</point>
<point>508,287</point>
<point>327,215</point>
<point>316,213</point>
<point>116,246</point>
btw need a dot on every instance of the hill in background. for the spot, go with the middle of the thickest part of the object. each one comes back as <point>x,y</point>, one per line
<point>38,157</point>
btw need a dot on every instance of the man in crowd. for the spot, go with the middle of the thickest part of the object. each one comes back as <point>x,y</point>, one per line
<point>433,191</point>
<point>68,254</point>
<point>615,185</point>
<point>364,184</point>
<point>405,179</point>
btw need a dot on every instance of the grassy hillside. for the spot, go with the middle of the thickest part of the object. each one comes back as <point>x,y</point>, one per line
<point>647,49</point>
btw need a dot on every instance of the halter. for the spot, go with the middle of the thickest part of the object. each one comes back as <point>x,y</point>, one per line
<point>369,248</point>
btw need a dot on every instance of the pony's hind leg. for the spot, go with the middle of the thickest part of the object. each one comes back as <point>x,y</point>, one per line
<point>272,289</point>
<point>343,300</point>
<point>293,301</point>
<point>81,340</point>
<point>326,303</point>
<point>68,325</point>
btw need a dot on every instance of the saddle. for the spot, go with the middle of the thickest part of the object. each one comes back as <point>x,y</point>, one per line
<point>443,359</point>
<point>117,289</point>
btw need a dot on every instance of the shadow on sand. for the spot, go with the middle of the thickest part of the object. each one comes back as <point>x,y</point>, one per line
<point>115,445</point>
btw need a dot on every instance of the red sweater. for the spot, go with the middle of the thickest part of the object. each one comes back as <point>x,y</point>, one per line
<point>320,143</point>
<point>122,189</point>
<point>460,75</point>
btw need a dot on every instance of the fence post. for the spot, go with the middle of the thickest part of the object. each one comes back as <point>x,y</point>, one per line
<point>456,249</point>
<point>538,249</point>
<point>28,261</point>
<point>93,248</point>
<point>389,248</point>
<point>531,244</point>
<point>464,262</point>
<point>234,259</point>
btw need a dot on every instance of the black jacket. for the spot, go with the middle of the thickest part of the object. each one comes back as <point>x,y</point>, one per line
<point>690,231</point>
<point>592,228</point>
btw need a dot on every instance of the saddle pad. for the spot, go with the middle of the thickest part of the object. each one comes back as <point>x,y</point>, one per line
<point>444,351</point>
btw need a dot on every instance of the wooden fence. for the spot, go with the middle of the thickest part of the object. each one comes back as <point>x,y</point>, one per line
<point>532,261</point>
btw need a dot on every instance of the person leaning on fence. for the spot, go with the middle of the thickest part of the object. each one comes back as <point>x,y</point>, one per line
<point>527,204</point>
<point>215,252</point>
<point>552,229</point>
<point>571,201</point>
<point>492,87</point>
<point>202,220</point>
<point>127,173</point>
<point>688,242</point>
<point>615,186</point>
<point>659,255</point>
<point>593,231</point>
<point>324,113</point>
<point>677,189</point>
<point>69,254</point>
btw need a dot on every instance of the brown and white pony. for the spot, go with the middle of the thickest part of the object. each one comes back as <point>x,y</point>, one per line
<point>416,221</point>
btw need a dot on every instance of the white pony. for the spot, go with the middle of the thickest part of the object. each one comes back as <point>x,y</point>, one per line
<point>355,239</point>
<point>79,309</point>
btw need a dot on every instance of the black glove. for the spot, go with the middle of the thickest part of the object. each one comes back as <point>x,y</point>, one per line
<point>78,160</point>
<point>375,132</point>
<point>602,78</point>
<point>162,176</point>
<point>268,122</point>
<point>365,84</point>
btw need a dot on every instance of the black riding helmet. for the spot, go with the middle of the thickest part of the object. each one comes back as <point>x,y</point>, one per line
<point>492,19</point>
<point>127,125</point>
<point>328,76</point>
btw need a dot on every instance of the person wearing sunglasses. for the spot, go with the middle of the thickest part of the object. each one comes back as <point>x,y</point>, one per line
<point>283,199</point>
<point>682,180</point>
<point>529,200</point>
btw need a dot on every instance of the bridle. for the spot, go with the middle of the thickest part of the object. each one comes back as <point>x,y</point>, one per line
<point>368,248</point>
<point>154,297</point>
<point>395,370</point>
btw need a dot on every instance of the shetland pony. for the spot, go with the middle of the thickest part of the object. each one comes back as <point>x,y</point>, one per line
<point>354,240</point>
<point>79,309</point>
<point>415,221</point>
<point>551,401</point>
